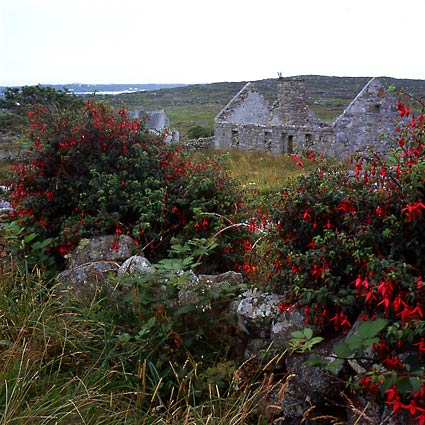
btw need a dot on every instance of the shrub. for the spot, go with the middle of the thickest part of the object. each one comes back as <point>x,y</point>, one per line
<point>21,99</point>
<point>10,122</point>
<point>340,245</point>
<point>197,131</point>
<point>92,171</point>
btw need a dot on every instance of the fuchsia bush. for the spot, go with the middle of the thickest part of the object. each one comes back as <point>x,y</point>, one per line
<point>341,245</point>
<point>92,171</point>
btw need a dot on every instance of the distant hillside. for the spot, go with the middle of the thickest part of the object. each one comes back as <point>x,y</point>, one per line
<point>198,104</point>
<point>187,105</point>
<point>105,88</point>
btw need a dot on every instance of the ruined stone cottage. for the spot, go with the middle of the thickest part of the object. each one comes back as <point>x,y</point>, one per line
<point>249,122</point>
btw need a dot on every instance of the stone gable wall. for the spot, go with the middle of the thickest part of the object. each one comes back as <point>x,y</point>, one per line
<point>249,123</point>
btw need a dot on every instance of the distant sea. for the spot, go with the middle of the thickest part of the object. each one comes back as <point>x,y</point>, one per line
<point>104,89</point>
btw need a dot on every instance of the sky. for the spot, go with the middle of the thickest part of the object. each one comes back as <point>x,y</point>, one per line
<point>206,41</point>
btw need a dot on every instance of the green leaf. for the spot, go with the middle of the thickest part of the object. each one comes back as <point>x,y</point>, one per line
<point>369,341</point>
<point>30,237</point>
<point>316,340</point>
<point>334,365</point>
<point>343,350</point>
<point>298,334</point>
<point>123,338</point>
<point>308,333</point>
<point>185,309</point>
<point>372,327</point>
<point>415,384</point>
<point>355,342</point>
<point>316,361</point>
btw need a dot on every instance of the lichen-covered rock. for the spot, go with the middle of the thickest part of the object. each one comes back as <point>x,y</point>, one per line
<point>193,288</point>
<point>256,305</point>
<point>230,278</point>
<point>91,266</point>
<point>307,387</point>
<point>102,248</point>
<point>85,280</point>
<point>283,326</point>
<point>136,264</point>
<point>255,311</point>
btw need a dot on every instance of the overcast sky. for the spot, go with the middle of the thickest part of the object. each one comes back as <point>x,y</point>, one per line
<point>203,41</point>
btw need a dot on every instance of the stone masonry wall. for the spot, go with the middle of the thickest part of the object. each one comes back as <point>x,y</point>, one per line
<point>249,123</point>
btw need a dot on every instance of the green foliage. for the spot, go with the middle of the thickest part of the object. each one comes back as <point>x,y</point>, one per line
<point>303,340</point>
<point>21,99</point>
<point>169,333</point>
<point>173,326</point>
<point>10,122</point>
<point>30,252</point>
<point>197,131</point>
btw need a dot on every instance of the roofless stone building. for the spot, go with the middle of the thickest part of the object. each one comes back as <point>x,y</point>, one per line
<point>249,122</point>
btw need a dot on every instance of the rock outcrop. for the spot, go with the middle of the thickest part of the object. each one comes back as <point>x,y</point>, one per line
<point>298,393</point>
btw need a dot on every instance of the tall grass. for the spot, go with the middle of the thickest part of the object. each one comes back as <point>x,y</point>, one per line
<point>6,169</point>
<point>54,368</point>
<point>257,171</point>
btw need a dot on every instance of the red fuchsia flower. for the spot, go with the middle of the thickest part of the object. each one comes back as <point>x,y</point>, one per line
<point>370,296</point>
<point>307,312</point>
<point>115,245</point>
<point>412,407</point>
<point>358,169</point>
<point>417,311</point>
<point>63,250</point>
<point>312,245</point>
<point>393,398</point>
<point>385,288</point>
<point>341,320</point>
<point>421,345</point>
<point>421,419</point>
<point>398,303</point>
<point>379,211</point>
<point>393,362</point>
<point>284,307</point>
<point>344,321</point>
<point>403,110</point>
<point>413,210</point>
<point>386,302</point>
<point>346,207</point>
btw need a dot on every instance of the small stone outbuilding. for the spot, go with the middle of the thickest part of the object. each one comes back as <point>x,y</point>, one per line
<point>249,122</point>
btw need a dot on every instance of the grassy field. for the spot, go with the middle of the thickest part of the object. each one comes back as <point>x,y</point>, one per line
<point>257,171</point>
<point>183,118</point>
